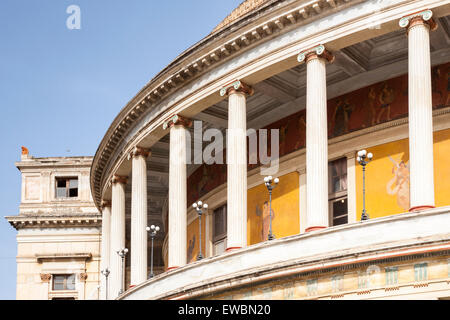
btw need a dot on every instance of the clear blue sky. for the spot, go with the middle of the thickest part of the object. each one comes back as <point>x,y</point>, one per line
<point>60,89</point>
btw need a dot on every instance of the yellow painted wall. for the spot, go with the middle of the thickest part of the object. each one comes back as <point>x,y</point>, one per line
<point>387,177</point>
<point>285,207</point>
<point>192,239</point>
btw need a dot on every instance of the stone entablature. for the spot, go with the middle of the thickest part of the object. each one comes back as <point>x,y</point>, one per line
<point>19,222</point>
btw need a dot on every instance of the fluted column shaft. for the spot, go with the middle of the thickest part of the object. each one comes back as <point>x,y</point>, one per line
<point>117,235</point>
<point>420,116</point>
<point>237,171</point>
<point>105,247</point>
<point>138,217</point>
<point>316,144</point>
<point>177,197</point>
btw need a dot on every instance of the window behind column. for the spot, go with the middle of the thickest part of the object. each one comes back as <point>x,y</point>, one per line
<point>220,230</point>
<point>337,191</point>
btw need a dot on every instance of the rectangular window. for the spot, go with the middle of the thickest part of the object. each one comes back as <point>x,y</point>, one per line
<point>337,191</point>
<point>66,187</point>
<point>391,276</point>
<point>337,283</point>
<point>63,282</point>
<point>220,229</point>
<point>420,271</point>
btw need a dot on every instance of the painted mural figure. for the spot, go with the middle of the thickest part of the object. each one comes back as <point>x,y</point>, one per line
<point>190,249</point>
<point>283,133</point>
<point>399,184</point>
<point>372,110</point>
<point>266,221</point>
<point>386,97</point>
<point>341,117</point>
<point>301,132</point>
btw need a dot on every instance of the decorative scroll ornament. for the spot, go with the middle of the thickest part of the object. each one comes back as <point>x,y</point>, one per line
<point>45,277</point>
<point>83,276</point>
<point>425,15</point>
<point>319,50</point>
<point>177,120</point>
<point>119,179</point>
<point>236,86</point>
<point>138,151</point>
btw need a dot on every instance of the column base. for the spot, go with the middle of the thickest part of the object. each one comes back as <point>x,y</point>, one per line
<point>172,268</point>
<point>313,229</point>
<point>232,249</point>
<point>420,208</point>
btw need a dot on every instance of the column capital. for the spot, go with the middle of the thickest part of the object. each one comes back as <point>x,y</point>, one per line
<point>236,86</point>
<point>105,203</point>
<point>351,155</point>
<point>45,277</point>
<point>177,120</point>
<point>318,51</point>
<point>119,179</point>
<point>139,151</point>
<point>418,18</point>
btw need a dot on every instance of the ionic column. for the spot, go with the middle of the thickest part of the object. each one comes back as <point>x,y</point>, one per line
<point>351,187</point>
<point>177,192</point>
<point>236,164</point>
<point>117,234</point>
<point>302,198</point>
<point>105,246</point>
<point>138,216</point>
<point>420,109</point>
<point>316,137</point>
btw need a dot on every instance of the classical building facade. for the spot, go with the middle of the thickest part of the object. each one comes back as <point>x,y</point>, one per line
<point>315,81</point>
<point>58,230</point>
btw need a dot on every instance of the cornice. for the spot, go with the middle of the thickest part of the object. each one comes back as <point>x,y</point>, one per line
<point>219,46</point>
<point>20,222</point>
<point>73,256</point>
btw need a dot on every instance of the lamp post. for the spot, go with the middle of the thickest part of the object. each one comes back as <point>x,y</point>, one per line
<point>106,273</point>
<point>199,206</point>
<point>363,159</point>
<point>153,230</point>
<point>270,187</point>
<point>122,253</point>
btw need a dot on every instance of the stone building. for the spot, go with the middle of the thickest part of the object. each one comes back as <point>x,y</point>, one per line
<point>320,81</point>
<point>58,230</point>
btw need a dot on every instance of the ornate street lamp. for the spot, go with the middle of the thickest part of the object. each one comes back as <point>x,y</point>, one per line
<point>199,206</point>
<point>363,159</point>
<point>106,273</point>
<point>153,230</point>
<point>270,187</point>
<point>122,253</point>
